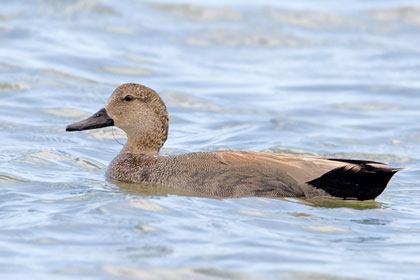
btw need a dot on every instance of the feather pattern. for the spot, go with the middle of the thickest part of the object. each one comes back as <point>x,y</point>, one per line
<point>246,173</point>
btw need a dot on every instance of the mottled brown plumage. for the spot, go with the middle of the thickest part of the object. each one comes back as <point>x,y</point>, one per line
<point>141,113</point>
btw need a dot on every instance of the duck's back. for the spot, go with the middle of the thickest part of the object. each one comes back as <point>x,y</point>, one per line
<point>236,174</point>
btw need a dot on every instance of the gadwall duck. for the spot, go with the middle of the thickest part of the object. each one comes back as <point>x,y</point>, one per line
<point>141,113</point>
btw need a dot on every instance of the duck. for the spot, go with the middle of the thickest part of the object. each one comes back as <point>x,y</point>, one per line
<point>141,113</point>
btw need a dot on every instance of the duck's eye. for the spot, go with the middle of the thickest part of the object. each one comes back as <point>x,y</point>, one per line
<point>128,98</point>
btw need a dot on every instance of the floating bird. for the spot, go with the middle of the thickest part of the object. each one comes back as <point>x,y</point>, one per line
<point>141,113</point>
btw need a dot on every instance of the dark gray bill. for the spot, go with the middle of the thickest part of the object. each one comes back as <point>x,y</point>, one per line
<point>98,120</point>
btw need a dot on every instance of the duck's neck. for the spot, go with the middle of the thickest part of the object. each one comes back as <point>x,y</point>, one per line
<point>142,146</point>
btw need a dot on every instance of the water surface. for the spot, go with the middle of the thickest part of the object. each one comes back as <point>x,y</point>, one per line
<point>321,78</point>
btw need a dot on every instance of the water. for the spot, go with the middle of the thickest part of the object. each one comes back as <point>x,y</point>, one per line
<point>327,78</point>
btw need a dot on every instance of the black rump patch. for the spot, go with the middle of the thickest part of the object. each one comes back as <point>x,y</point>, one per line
<point>362,182</point>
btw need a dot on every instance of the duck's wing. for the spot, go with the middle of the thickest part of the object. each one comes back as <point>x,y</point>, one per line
<point>301,168</point>
<point>350,179</point>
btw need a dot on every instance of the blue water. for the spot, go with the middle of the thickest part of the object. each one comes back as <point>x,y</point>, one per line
<point>327,78</point>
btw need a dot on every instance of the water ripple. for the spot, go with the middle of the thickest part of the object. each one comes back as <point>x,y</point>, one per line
<point>296,77</point>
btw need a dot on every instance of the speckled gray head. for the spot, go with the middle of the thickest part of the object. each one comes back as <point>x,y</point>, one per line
<point>136,109</point>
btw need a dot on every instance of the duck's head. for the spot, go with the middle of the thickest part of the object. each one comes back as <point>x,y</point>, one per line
<point>139,111</point>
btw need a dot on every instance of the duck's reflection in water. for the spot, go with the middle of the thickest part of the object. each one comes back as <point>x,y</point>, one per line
<point>153,190</point>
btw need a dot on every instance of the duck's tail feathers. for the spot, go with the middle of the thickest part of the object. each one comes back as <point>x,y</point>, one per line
<point>362,180</point>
